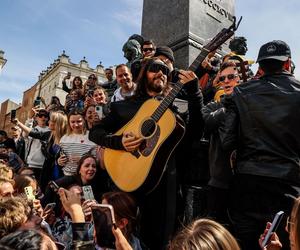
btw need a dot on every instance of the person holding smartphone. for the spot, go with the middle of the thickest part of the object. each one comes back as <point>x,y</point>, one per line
<point>292,227</point>
<point>49,145</point>
<point>126,215</point>
<point>75,143</point>
<point>98,98</point>
<point>34,156</point>
<point>76,83</point>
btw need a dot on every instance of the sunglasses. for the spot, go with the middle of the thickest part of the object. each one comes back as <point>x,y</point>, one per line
<point>92,78</point>
<point>156,67</point>
<point>229,77</point>
<point>42,115</point>
<point>148,49</point>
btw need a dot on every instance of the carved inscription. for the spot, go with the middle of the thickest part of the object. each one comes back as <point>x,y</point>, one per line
<point>217,8</point>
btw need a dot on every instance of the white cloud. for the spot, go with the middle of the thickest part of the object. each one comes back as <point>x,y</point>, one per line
<point>131,14</point>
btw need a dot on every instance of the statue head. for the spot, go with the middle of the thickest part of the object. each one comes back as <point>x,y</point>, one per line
<point>238,45</point>
<point>132,50</point>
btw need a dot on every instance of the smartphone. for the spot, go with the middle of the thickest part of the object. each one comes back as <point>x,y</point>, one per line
<point>29,193</point>
<point>37,101</point>
<point>88,193</point>
<point>99,111</point>
<point>62,153</point>
<point>54,186</point>
<point>90,93</point>
<point>13,113</point>
<point>104,220</point>
<point>275,223</point>
<point>50,206</point>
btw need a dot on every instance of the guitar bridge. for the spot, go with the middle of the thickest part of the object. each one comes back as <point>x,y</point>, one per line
<point>136,154</point>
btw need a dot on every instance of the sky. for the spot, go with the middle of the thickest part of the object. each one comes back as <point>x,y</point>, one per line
<point>33,33</point>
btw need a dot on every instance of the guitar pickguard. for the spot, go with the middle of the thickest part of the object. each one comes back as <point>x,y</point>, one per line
<point>149,144</point>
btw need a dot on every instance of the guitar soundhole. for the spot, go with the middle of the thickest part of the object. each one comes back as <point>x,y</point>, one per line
<point>148,127</point>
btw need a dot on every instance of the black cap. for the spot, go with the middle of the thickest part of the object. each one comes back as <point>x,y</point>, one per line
<point>276,49</point>
<point>165,51</point>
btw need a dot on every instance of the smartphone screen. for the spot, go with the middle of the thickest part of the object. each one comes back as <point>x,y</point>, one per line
<point>99,111</point>
<point>103,217</point>
<point>88,193</point>
<point>13,114</point>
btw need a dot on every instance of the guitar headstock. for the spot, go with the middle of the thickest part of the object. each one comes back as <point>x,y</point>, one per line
<point>215,43</point>
<point>223,36</point>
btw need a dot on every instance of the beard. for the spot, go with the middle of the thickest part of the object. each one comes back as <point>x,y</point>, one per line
<point>157,84</point>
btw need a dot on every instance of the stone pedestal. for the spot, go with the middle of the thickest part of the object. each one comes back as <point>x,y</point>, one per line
<point>186,25</point>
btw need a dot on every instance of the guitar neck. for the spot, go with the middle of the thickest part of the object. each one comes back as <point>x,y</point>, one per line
<point>167,101</point>
<point>219,39</point>
<point>200,58</point>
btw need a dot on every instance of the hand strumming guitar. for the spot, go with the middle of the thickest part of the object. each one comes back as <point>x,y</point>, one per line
<point>131,142</point>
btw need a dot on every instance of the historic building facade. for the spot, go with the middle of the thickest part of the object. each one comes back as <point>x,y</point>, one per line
<point>49,84</point>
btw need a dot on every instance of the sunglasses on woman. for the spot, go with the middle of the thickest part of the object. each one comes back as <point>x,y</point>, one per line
<point>156,67</point>
<point>229,77</point>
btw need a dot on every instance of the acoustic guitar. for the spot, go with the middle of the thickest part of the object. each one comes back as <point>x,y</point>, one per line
<point>161,129</point>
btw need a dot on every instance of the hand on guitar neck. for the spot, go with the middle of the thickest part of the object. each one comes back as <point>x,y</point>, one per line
<point>131,142</point>
<point>186,76</point>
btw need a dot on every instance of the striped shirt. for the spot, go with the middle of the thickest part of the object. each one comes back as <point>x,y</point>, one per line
<point>75,146</point>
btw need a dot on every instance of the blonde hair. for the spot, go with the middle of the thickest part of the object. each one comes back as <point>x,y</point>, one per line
<point>14,212</point>
<point>4,180</point>
<point>204,234</point>
<point>61,122</point>
<point>5,171</point>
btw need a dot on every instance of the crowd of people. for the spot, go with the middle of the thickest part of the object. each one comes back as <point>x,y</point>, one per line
<point>235,166</point>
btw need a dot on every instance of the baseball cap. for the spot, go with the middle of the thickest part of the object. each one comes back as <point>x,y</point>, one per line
<point>276,49</point>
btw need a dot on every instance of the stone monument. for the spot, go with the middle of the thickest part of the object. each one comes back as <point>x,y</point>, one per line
<point>186,25</point>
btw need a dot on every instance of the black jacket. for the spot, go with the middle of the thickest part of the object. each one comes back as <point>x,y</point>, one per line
<point>50,156</point>
<point>219,159</point>
<point>157,221</point>
<point>263,123</point>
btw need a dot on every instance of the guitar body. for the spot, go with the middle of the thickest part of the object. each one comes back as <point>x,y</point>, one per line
<point>142,170</point>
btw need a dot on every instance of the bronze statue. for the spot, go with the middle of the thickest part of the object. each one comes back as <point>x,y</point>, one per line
<point>238,45</point>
